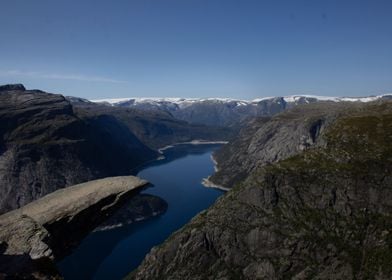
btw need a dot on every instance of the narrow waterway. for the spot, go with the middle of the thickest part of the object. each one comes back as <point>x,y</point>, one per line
<point>177,179</point>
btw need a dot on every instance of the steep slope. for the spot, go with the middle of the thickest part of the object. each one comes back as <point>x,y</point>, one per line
<point>45,146</point>
<point>325,213</point>
<point>267,140</point>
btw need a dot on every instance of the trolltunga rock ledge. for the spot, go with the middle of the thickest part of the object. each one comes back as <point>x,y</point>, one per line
<point>33,236</point>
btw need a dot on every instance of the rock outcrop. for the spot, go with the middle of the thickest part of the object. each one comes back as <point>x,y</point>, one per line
<point>44,146</point>
<point>12,87</point>
<point>325,213</point>
<point>33,236</point>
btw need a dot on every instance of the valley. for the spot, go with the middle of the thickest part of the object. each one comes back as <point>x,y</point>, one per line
<point>281,187</point>
<point>177,180</point>
<point>196,140</point>
<point>47,143</point>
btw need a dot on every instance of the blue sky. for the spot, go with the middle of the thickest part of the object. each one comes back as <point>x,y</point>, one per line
<point>197,48</point>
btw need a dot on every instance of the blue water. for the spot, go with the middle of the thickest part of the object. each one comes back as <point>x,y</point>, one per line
<point>177,179</point>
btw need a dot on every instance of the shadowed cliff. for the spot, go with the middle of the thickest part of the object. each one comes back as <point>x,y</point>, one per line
<point>45,146</point>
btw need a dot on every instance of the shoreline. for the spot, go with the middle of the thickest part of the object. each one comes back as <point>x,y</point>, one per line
<point>193,142</point>
<point>216,169</point>
<point>206,181</point>
<point>127,223</point>
<point>161,155</point>
<point>208,184</point>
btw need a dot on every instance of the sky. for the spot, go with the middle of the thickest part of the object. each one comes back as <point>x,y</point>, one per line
<point>197,48</point>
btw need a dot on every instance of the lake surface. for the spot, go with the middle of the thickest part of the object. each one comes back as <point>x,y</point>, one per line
<point>177,179</point>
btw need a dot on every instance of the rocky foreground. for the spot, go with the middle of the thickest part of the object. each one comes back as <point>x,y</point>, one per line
<point>32,237</point>
<point>322,209</point>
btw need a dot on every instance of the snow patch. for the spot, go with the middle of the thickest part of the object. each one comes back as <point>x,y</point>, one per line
<point>184,102</point>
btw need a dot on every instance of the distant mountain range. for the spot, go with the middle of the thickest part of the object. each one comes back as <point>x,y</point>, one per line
<point>224,111</point>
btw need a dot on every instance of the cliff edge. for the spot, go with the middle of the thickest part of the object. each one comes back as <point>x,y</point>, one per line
<point>46,229</point>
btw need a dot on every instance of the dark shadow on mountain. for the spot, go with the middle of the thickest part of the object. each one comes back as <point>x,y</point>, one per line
<point>21,266</point>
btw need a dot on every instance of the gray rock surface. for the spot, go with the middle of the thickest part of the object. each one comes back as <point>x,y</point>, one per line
<point>46,229</point>
<point>267,140</point>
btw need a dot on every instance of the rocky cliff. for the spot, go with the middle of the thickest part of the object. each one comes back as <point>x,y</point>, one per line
<point>33,236</point>
<point>271,139</point>
<point>324,213</point>
<point>44,145</point>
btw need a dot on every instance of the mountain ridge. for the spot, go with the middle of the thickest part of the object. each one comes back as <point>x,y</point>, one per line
<point>287,98</point>
<point>228,112</point>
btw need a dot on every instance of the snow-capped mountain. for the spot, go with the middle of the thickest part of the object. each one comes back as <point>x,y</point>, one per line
<point>240,102</point>
<point>225,111</point>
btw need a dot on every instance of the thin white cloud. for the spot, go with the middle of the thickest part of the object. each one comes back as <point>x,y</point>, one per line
<point>53,76</point>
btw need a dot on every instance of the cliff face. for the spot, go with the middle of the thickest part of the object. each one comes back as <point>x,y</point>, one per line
<point>268,140</point>
<point>45,146</point>
<point>324,213</point>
